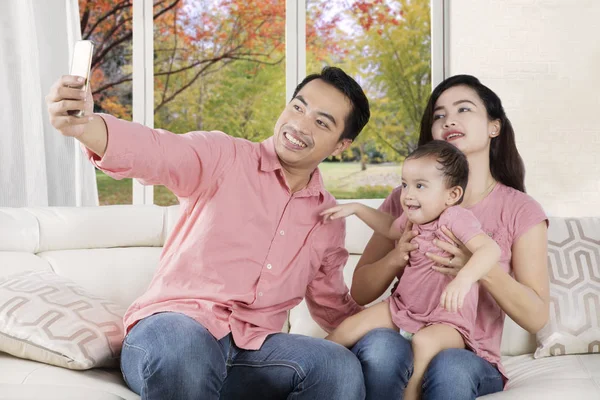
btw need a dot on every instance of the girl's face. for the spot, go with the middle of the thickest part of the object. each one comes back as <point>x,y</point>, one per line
<point>424,194</point>
<point>460,117</point>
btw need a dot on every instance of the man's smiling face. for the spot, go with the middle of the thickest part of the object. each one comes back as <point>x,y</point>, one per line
<point>309,128</point>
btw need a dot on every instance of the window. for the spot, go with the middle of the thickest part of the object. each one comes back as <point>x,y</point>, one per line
<point>220,65</point>
<point>108,24</point>
<point>386,46</point>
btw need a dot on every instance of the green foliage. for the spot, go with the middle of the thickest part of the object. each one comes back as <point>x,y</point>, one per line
<point>395,61</point>
<point>373,192</point>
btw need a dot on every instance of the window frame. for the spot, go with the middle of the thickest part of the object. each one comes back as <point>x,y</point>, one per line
<point>295,66</point>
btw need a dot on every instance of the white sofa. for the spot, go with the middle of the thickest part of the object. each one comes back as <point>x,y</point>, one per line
<point>113,251</point>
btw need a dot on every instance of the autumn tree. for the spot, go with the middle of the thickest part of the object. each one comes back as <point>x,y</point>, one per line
<point>192,40</point>
<point>197,44</point>
<point>395,48</point>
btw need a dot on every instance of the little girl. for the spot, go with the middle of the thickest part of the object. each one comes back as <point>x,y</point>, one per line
<point>428,308</point>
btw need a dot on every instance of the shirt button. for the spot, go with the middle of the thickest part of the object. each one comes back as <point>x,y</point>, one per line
<point>281,232</point>
<point>269,266</point>
<point>260,293</point>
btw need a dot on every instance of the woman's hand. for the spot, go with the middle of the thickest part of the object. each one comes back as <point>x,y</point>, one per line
<point>459,254</point>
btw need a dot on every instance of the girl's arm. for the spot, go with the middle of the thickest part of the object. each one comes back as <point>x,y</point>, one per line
<point>486,254</point>
<point>382,223</point>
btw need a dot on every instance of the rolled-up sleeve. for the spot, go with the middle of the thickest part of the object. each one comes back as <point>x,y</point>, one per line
<point>184,163</point>
<point>327,296</point>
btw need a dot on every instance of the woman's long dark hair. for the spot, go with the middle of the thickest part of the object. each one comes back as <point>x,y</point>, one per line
<point>506,165</point>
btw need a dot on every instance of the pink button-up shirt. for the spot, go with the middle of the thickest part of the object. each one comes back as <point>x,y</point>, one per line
<point>245,249</point>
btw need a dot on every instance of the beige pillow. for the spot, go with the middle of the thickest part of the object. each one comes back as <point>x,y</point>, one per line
<point>574,269</point>
<point>48,318</point>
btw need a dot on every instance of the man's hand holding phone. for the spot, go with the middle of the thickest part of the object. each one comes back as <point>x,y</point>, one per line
<point>65,96</point>
<point>70,103</point>
<point>71,106</point>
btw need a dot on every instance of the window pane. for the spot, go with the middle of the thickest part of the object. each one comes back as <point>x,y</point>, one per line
<point>386,46</point>
<point>108,24</point>
<point>219,65</point>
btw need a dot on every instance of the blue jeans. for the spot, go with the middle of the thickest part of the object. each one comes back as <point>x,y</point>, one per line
<point>457,374</point>
<point>171,356</point>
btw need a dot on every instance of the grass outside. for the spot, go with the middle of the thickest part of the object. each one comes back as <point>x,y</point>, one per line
<point>343,180</point>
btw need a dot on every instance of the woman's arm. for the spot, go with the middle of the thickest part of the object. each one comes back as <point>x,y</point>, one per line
<point>524,298</point>
<point>379,264</point>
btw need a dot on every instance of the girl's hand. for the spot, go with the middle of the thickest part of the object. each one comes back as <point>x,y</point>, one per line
<point>453,297</point>
<point>401,252</point>
<point>458,258</point>
<point>339,211</point>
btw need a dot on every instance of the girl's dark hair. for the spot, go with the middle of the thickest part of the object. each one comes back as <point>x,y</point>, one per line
<point>454,164</point>
<point>360,113</point>
<point>506,164</point>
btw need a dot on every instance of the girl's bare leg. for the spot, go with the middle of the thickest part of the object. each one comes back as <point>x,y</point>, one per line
<point>426,344</point>
<point>353,328</point>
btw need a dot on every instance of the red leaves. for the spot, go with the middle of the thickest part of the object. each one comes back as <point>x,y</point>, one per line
<point>375,14</point>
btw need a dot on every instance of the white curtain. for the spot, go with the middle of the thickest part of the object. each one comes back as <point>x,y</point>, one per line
<point>38,166</point>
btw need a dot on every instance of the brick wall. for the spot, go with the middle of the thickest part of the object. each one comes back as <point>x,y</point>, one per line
<point>542,57</point>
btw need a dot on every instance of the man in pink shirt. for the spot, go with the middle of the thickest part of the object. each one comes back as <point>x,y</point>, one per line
<point>248,247</point>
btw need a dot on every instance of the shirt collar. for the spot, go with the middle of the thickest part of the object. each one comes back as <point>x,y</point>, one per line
<point>269,162</point>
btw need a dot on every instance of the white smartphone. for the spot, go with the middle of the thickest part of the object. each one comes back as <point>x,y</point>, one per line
<point>81,66</point>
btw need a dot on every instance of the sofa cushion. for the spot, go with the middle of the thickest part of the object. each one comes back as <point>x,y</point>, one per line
<point>48,318</point>
<point>29,380</point>
<point>13,262</point>
<point>96,270</point>
<point>574,269</point>
<point>53,392</point>
<point>19,230</point>
<point>553,378</point>
<point>62,228</point>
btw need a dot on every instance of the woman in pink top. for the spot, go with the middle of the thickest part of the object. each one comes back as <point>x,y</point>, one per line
<point>467,114</point>
<point>426,304</point>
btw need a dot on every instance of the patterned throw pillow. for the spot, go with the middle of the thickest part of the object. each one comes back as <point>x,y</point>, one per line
<point>48,318</point>
<point>574,269</point>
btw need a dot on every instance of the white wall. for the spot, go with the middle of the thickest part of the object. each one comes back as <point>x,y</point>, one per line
<point>542,57</point>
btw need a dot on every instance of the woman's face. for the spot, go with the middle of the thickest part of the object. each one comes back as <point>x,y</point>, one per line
<point>460,117</point>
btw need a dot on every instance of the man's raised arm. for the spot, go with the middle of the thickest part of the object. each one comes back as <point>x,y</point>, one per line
<point>185,164</point>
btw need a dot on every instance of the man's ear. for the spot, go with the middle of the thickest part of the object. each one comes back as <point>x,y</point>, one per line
<point>341,146</point>
<point>454,195</point>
